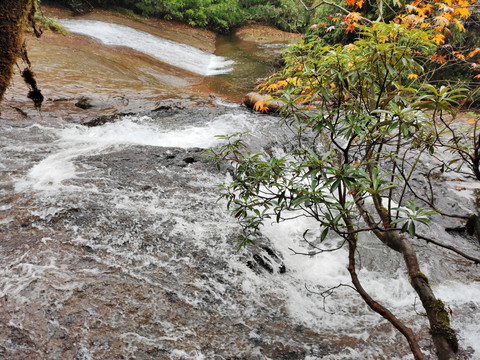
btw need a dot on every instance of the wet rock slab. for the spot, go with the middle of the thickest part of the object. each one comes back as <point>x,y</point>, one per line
<point>120,269</point>
<point>130,258</point>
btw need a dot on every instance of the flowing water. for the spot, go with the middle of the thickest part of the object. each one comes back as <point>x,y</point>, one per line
<point>113,246</point>
<point>173,53</point>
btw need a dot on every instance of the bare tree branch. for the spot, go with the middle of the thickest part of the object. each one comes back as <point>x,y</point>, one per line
<point>449,247</point>
<point>323,2</point>
<point>318,250</point>
<point>327,293</point>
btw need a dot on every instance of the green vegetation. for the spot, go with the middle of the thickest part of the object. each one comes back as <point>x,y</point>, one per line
<point>218,15</point>
<point>326,21</point>
<point>48,23</point>
<point>365,120</point>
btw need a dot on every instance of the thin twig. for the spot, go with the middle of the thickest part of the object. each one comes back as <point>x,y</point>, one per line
<point>449,247</point>
<point>327,293</point>
<point>319,251</point>
<point>323,2</point>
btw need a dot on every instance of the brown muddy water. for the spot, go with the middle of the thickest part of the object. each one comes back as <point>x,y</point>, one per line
<point>120,79</point>
<point>113,244</point>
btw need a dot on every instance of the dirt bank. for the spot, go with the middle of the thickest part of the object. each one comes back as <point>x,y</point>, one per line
<point>266,34</point>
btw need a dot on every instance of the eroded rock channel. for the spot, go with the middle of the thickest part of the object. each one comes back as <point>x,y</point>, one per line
<point>113,244</point>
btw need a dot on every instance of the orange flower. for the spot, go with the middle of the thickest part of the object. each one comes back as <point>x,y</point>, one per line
<point>463,12</point>
<point>442,59</point>
<point>427,8</point>
<point>261,106</point>
<point>272,87</point>
<point>354,16</point>
<point>473,53</point>
<point>350,28</point>
<point>412,76</point>
<point>459,24</point>
<point>438,39</point>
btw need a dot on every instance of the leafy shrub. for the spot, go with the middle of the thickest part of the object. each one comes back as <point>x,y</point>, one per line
<point>218,15</point>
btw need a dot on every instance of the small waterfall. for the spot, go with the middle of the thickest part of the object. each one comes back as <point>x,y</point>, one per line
<point>124,252</point>
<point>114,245</point>
<point>170,52</point>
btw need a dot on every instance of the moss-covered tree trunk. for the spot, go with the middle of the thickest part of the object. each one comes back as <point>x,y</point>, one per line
<point>443,336</point>
<point>13,20</point>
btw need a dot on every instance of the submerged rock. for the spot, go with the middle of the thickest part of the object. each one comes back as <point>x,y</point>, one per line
<point>101,120</point>
<point>84,103</point>
<point>267,260</point>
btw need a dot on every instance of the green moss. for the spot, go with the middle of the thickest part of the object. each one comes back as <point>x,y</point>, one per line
<point>442,314</point>
<point>48,24</point>
<point>442,326</point>
<point>15,16</point>
<point>421,276</point>
<point>447,332</point>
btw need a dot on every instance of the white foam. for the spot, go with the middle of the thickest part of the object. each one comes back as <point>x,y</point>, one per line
<point>173,53</point>
<point>132,130</point>
<point>387,282</point>
<point>344,313</point>
<point>77,140</point>
<point>181,354</point>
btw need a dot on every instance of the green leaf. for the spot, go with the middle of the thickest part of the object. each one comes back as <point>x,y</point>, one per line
<point>299,200</point>
<point>324,234</point>
<point>411,229</point>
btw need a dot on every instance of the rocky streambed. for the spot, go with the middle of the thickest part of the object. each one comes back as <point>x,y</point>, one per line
<point>113,244</point>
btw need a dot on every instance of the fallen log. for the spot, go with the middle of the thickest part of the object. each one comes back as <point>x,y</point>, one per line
<point>262,103</point>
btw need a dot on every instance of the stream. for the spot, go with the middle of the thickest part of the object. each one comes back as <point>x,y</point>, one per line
<point>113,244</point>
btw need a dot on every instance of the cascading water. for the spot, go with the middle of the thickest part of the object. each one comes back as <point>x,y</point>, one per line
<point>113,246</point>
<point>170,52</point>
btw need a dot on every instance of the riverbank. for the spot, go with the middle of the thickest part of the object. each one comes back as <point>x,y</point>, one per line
<point>72,70</point>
